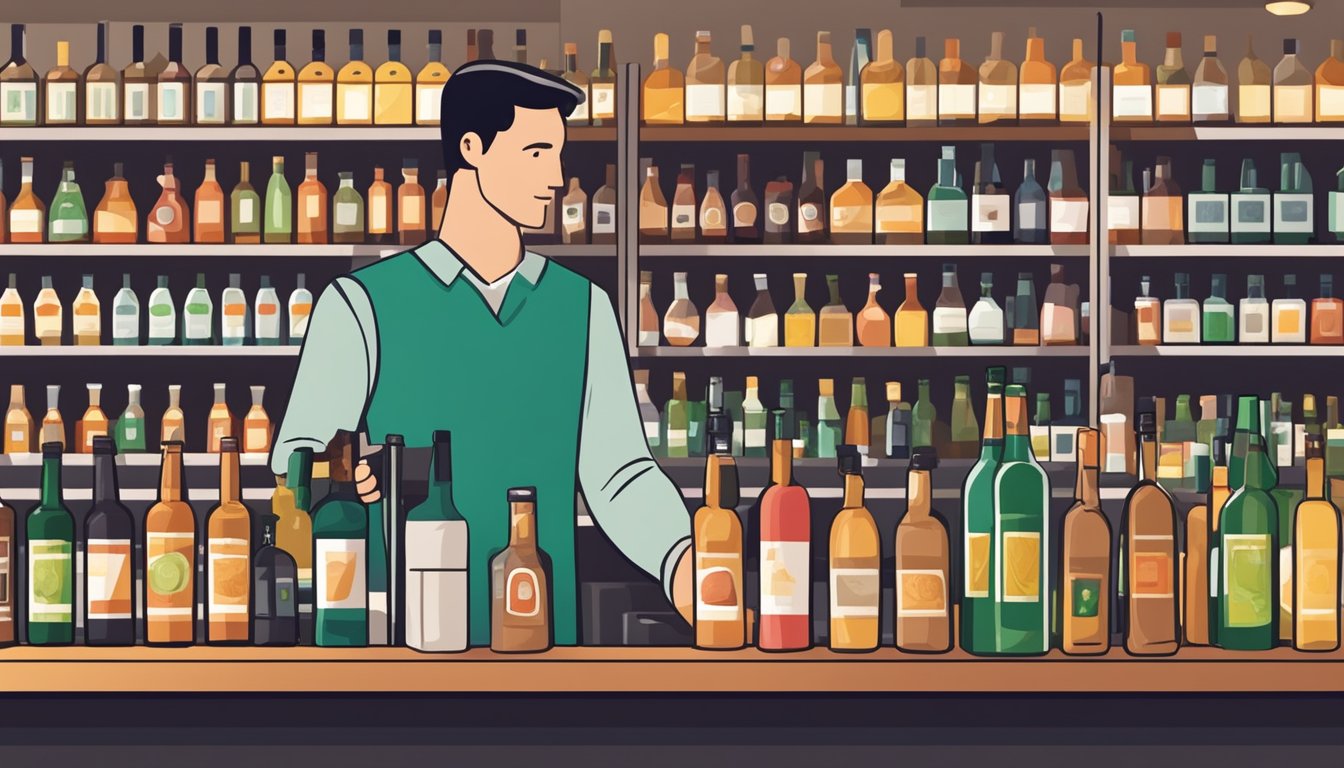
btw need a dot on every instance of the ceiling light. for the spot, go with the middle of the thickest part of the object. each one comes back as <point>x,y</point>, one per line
<point>1288,7</point>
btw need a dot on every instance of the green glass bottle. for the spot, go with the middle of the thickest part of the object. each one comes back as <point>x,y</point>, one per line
<point>67,218</point>
<point>922,417</point>
<point>678,417</point>
<point>341,556</point>
<point>1248,429</point>
<point>1206,209</point>
<point>949,209</point>
<point>696,413</point>
<point>51,563</point>
<point>347,225</point>
<point>979,616</point>
<point>130,429</point>
<point>278,220</point>
<point>1248,533</point>
<point>1021,535</point>
<point>198,315</point>
<point>965,431</point>
<point>804,445</point>
<point>1335,206</point>
<point>1181,429</point>
<point>126,315</point>
<point>245,207</point>
<point>1220,323</point>
<point>787,405</point>
<point>829,427</point>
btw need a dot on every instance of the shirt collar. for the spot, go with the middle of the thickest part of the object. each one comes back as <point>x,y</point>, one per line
<point>447,265</point>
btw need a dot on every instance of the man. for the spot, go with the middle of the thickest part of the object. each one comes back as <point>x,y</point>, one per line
<point>519,357</point>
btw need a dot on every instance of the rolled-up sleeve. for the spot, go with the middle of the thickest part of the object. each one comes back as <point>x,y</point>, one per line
<point>635,504</point>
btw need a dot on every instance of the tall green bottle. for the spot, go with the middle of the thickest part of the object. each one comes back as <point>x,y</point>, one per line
<point>341,555</point>
<point>949,209</point>
<point>1021,537</point>
<point>979,618</point>
<point>1248,532</point>
<point>51,569</point>
<point>922,417</point>
<point>278,220</point>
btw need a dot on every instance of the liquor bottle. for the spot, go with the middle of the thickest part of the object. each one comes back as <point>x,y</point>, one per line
<point>923,616</point>
<point>354,86</point>
<point>520,47</point>
<point>18,82</point>
<point>12,330</point>
<point>1293,84</point>
<point>19,431</point>
<point>1208,98</point>
<point>576,77</point>
<point>316,86</point>
<point>1253,91</point>
<point>684,205</point>
<point>823,87</point>
<point>912,320</point>
<point>256,425</point>
<point>574,219</point>
<point>900,210</point>
<point>300,309</point>
<point>949,313</point>
<point>1293,202</point>
<point>1059,311</point>
<point>1250,206</point>
<point>26,213</point>
<point>290,503</point>
<point>1316,560</point>
<point>228,566</point>
<point>922,418</point>
<point>244,101</point>
<point>266,315</point>
<point>436,562</point>
<point>162,315</point>
<point>173,424</point>
<point>964,439</point>
<point>1163,222</point>
<point>274,590</point>
<point>8,537</point>
<point>116,219</point>
<point>998,86</point>
<point>68,219</point>
<point>779,211</point>
<point>653,209</point>
<point>86,316</point>
<point>392,89</point>
<point>1150,575</point>
<point>48,325</point>
<point>704,84</point>
<point>1180,316</point>
<point>852,208</point>
<point>520,613</point>
<point>1330,85</point>
<point>102,96</point>
<point>745,207</point>
<point>762,327</point>
<point>676,412</point>
<point>812,200</point>
<point>1173,84</point>
<point>1037,84</point>
<point>1290,315</point>
<point>1327,315</point>
<point>882,86</point>
<point>746,83</point>
<point>783,86</point>
<point>603,81</point>
<point>785,559</point>
<point>648,316</point>
<point>956,86</point>
<point>1075,87</point>
<point>948,206</point>
<point>169,221</point>
<point>859,56</point>
<point>985,324</point>
<point>800,322</point>
<point>130,426</point>
<point>921,88</point>
<point>53,426</point>
<point>94,423</point>
<point>277,87</point>
<point>854,564</point>
<point>51,572</point>
<point>220,422</point>
<point>836,324</point>
<point>1207,209</point>
<point>1254,327</point>
<point>991,223</point>
<point>857,425</point>
<point>244,209</point>
<point>311,227</point>
<point>719,613</point>
<point>170,559</point>
<point>340,556</point>
<point>211,96</point>
<point>1039,431</point>
<point>380,208</point>
<point>753,421</point>
<point>1219,323</point>
<point>209,224</point>
<point>1024,319</point>
<point>1086,560</point>
<point>174,84</point>
<point>61,97</point>
<point>125,315</point>
<point>1132,92</point>
<point>979,629</point>
<point>681,324</point>
<point>234,320</point>
<point>109,567</point>
<point>891,439</point>
<point>723,325</point>
<point>1032,222</point>
<point>140,83</point>
<point>1248,533</point>
<point>278,221</point>
<point>828,433</point>
<point>1147,314</point>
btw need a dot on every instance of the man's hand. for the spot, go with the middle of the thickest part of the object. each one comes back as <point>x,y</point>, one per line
<point>683,588</point>
<point>366,483</point>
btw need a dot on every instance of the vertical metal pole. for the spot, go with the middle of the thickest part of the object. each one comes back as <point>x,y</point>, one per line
<point>393,502</point>
<point>627,205</point>
<point>1099,295</point>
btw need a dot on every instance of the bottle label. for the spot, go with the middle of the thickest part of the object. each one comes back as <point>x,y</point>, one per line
<point>1032,216</point>
<point>341,573</point>
<point>50,592</point>
<point>436,545</point>
<point>1292,103</point>
<point>355,100</point>
<point>522,596</point>
<point>61,102</point>
<point>209,211</point>
<point>785,580</point>
<point>315,101</point>
<point>244,102</point>
<point>298,318</point>
<point>677,439</point>
<point>883,101</point>
<point>722,329</point>
<point>1253,103</point>
<point>683,216</point>
<point>956,100</point>
<point>778,213</point>
<point>580,113</point>
<point>137,101</point>
<point>247,212</point>
<point>234,319</point>
<point>172,97</point>
<point>437,615</point>
<point>1250,213</point>
<point>949,320</point>
<point>1209,100</point>
<point>112,222</point>
<point>1207,212</point>
<point>100,101</point>
<point>1132,102</point>
<point>5,596</point>
<point>899,218</point>
<point>428,102</point>
<point>986,323</point>
<point>108,574</point>
<point>1292,213</point>
<point>718,592</point>
<point>1317,575</point>
<point>1122,212</point>
<point>991,213</point>
<point>1255,323</point>
<point>855,592</point>
<point>1153,572</point>
<point>164,215</point>
<point>754,435</point>
<point>604,101</point>
<point>763,331</point>
<point>1213,570</point>
<point>162,321</point>
<point>277,101</point>
<point>347,214</point>
<point>210,103</point>
<point>921,593</point>
<point>711,219</point>
<point>126,322</point>
<point>1020,567</point>
<point>1037,101</point>
<point>1087,597</point>
<point>1173,101</point>
<point>256,439</point>
<point>653,218</point>
<point>745,102</point>
<point>72,226</point>
<point>998,100</point>
<point>948,215</point>
<point>25,220</point>
<point>921,102</point>
<point>852,218</point>
<point>573,216</point>
<point>744,214</point>
<point>1329,102</point>
<point>704,101</point>
<point>822,100</point>
<point>604,218</point>
<point>1248,586</point>
<point>1068,215</point>
<point>312,207</point>
<point>11,319</point>
<point>809,217</point>
<point>783,102</point>
<point>85,321</point>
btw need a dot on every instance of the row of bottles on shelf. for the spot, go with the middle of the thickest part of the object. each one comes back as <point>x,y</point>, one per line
<point>1015,598</point>
<point>306,215</point>
<point>686,428</point>
<point>265,322</point>
<point>130,430</point>
<point>1062,319</point>
<point>163,91</point>
<point>988,214</point>
<point>1253,320</point>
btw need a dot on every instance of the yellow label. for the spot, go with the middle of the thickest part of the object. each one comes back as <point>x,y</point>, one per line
<point>1021,566</point>
<point>977,564</point>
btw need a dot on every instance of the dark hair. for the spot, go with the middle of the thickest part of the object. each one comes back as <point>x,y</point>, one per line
<point>480,98</point>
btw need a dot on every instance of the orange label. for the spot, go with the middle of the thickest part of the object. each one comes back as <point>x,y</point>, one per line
<point>11,310</point>
<point>1152,574</point>
<point>267,309</point>
<point>301,309</point>
<point>47,310</point>
<point>522,598</point>
<point>235,310</point>
<point>86,309</point>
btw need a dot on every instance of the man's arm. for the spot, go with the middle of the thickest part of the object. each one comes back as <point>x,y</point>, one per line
<point>333,380</point>
<point>637,506</point>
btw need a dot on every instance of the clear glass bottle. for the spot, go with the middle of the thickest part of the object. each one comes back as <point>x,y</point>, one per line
<point>1254,327</point>
<point>234,317</point>
<point>762,329</point>
<point>859,56</point>
<point>985,324</point>
<point>681,323</point>
<point>1132,90</point>
<point>1290,315</point>
<point>723,322</point>
<point>125,315</point>
<point>705,83</point>
<point>949,313</point>
<point>1206,217</point>
<point>921,88</point>
<point>1209,95</point>
<point>1181,315</point>
<point>300,309</point>
<point>823,86</point>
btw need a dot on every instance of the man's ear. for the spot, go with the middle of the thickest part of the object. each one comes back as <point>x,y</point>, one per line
<point>471,147</point>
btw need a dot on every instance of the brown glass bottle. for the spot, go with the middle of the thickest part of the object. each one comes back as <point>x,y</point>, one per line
<point>603,227</point>
<point>719,615</point>
<point>923,615</point>
<point>779,211</point>
<point>746,210</point>
<point>520,610</point>
<point>1086,572</point>
<point>684,205</point>
<point>812,201</point>
<point>1152,622</point>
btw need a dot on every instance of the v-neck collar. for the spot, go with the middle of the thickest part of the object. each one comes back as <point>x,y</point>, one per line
<point>447,266</point>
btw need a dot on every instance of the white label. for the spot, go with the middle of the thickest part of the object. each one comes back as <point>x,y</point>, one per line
<point>956,100</point>
<point>783,101</point>
<point>921,102</point>
<point>1292,103</point>
<point>164,215</point>
<point>1132,102</point>
<point>1173,101</point>
<point>1037,100</point>
<point>137,101</point>
<point>1031,215</point>
<point>704,100</point>
<point>753,437</point>
<point>209,211</point>
<point>85,324</point>
<point>855,592</point>
<point>949,320</point>
<point>247,213</point>
<point>652,430</point>
<point>1213,571</point>
<point>604,101</point>
<point>25,220</point>
<point>683,216</point>
<point>428,100</point>
<point>785,579</point>
<point>411,211</point>
<point>125,326</point>
<point>822,100</point>
<point>436,544</point>
<point>763,331</point>
<point>436,615</point>
<point>722,329</point>
<point>921,593</point>
<point>61,102</point>
<point>1122,212</point>
<point>1075,100</point>
<point>163,326</point>
<point>244,102</point>
<point>1330,102</point>
<point>347,214</point>
<point>278,101</point>
<point>230,557</point>
<point>69,227</point>
<point>172,101</point>
<point>340,573</point>
<point>604,218</point>
<point>1068,215</point>
<point>991,213</point>
<point>108,574</point>
<point>18,102</point>
<point>315,100</point>
<point>778,213</point>
<point>298,321</point>
<point>268,321</point>
<point>745,102</point>
<point>101,101</point>
<point>1209,99</point>
<point>572,216</point>
<point>210,103</point>
<point>998,100</point>
<point>312,208</point>
<point>355,102</point>
<point>1335,201</point>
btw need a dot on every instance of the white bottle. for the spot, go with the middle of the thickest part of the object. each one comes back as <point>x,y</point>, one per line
<point>754,419</point>
<point>1254,311</point>
<point>763,331</point>
<point>1290,315</point>
<point>233,314</point>
<point>300,307</point>
<point>162,314</point>
<point>436,563</point>
<point>723,323</point>
<point>267,314</point>
<point>12,325</point>
<point>198,315</point>
<point>125,314</point>
<point>985,325</point>
<point>1181,315</point>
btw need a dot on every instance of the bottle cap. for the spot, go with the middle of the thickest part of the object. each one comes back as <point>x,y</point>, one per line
<point>1173,39</point>
<point>522,494</point>
<point>924,459</point>
<point>848,459</point>
<point>1147,422</point>
<point>397,440</point>
<point>51,450</point>
<point>228,445</point>
<point>103,445</point>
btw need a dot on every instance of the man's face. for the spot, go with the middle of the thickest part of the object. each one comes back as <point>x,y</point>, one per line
<point>520,173</point>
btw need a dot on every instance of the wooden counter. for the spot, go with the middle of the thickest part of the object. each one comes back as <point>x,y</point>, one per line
<point>593,670</point>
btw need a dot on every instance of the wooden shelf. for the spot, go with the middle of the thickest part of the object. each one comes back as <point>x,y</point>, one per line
<point>1227,133</point>
<point>844,133</point>
<point>223,133</point>
<point>89,250</point>
<point>885,251</point>
<point>987,352</point>
<point>1229,251</point>
<point>233,670</point>
<point>145,351</point>
<point>1227,350</point>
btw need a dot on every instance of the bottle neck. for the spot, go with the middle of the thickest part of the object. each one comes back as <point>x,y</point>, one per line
<point>1017,443</point>
<point>781,462</point>
<point>51,482</point>
<point>853,491</point>
<point>919,493</point>
<point>105,478</point>
<point>228,477</point>
<point>1087,487</point>
<point>834,287</point>
<point>1315,478</point>
<point>522,525</point>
